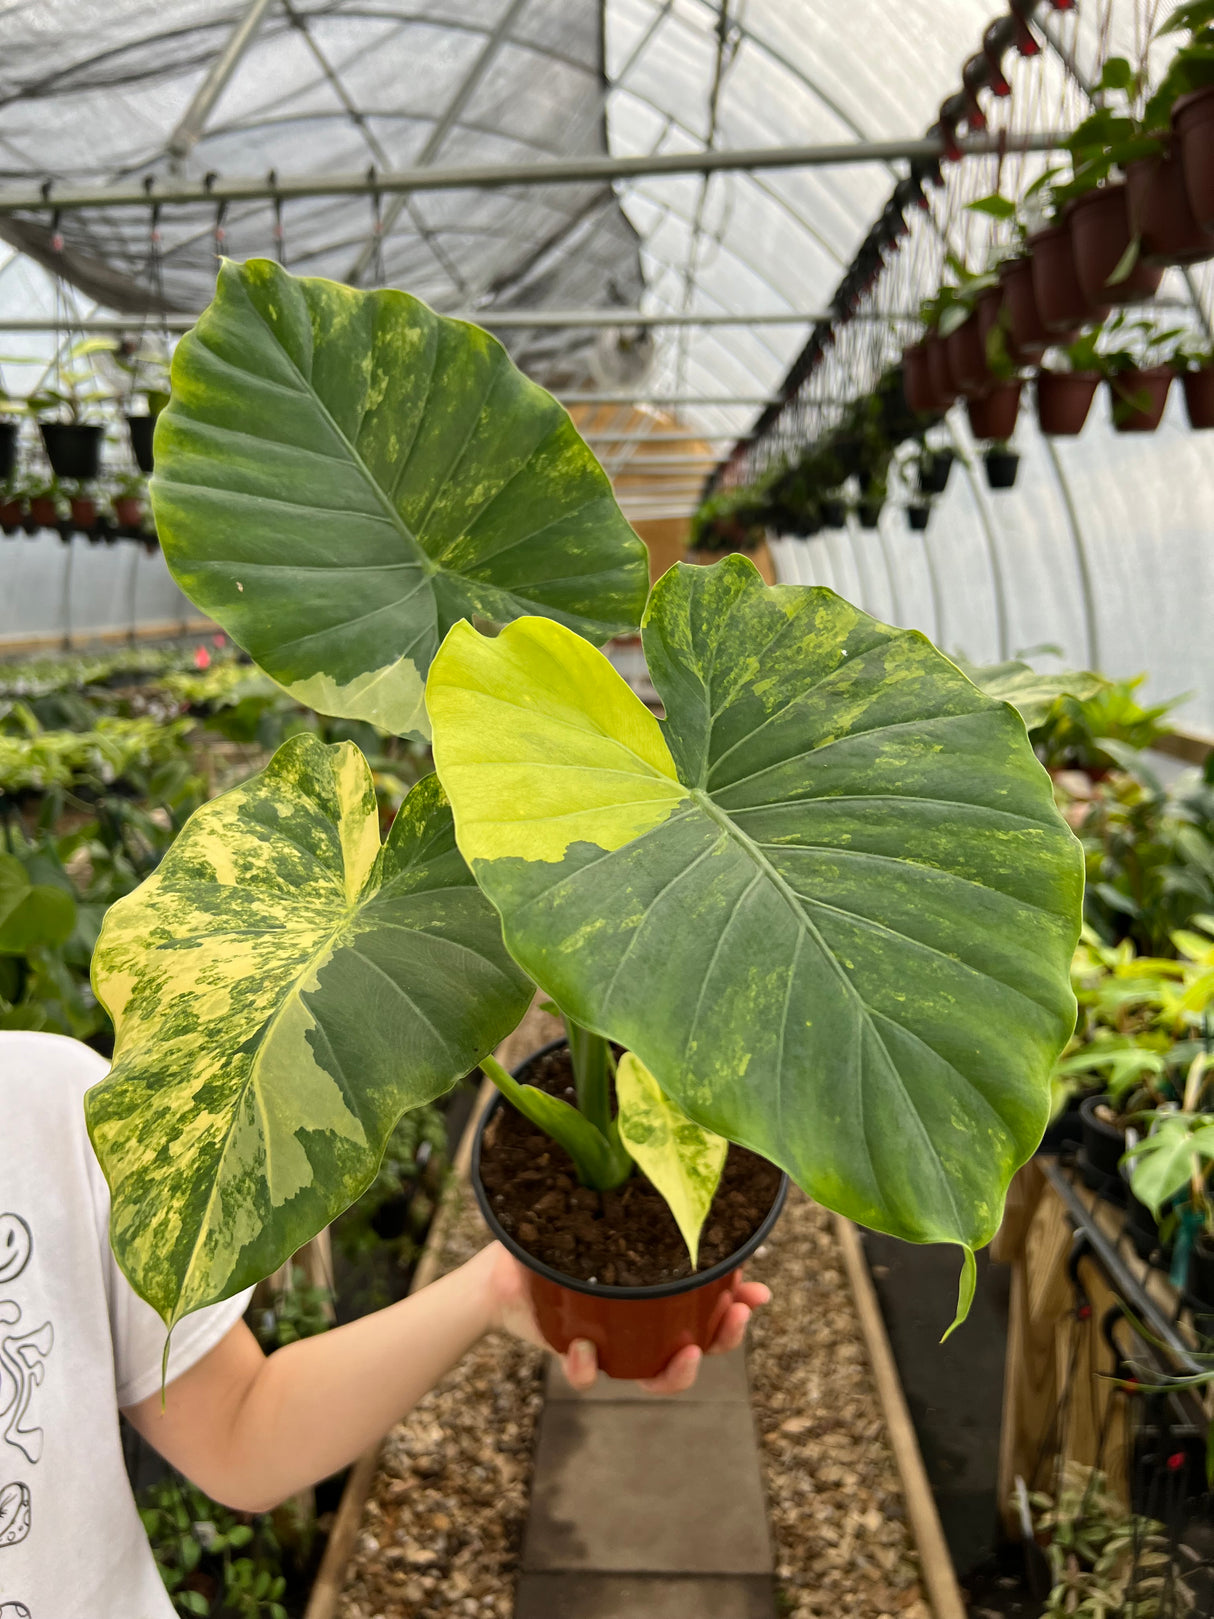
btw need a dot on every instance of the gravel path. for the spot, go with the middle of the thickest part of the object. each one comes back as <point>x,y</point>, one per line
<point>843,1546</point>
<point>441,1532</point>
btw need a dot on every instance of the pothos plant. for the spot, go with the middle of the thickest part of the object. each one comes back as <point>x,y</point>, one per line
<point>826,904</point>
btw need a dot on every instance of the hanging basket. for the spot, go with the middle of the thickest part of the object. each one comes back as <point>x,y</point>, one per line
<point>1199,396</point>
<point>869,512</point>
<point>940,372</point>
<point>934,468</point>
<point>1101,238</point>
<point>142,430</point>
<point>8,450</point>
<point>44,512</point>
<point>73,449</point>
<point>1001,467</point>
<point>1160,214</point>
<point>917,515</point>
<point>994,415</point>
<point>967,358</point>
<point>1028,336</point>
<point>1138,399</point>
<point>1061,302</point>
<point>917,381</point>
<point>1193,127</point>
<point>12,512</point>
<point>1064,399</point>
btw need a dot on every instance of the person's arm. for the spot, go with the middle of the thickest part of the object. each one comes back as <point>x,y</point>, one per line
<point>250,1430</point>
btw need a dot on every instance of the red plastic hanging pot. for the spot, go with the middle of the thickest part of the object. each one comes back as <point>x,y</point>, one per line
<point>1027,334</point>
<point>128,509</point>
<point>11,514</point>
<point>916,380</point>
<point>44,512</point>
<point>635,1330</point>
<point>1193,127</point>
<point>84,512</point>
<point>1160,214</point>
<point>1061,302</point>
<point>939,371</point>
<point>1064,399</point>
<point>967,358</point>
<point>1199,396</point>
<point>1100,238</point>
<point>988,310</point>
<point>994,415</point>
<point>1138,398</point>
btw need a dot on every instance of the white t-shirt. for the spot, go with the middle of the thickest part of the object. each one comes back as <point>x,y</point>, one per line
<point>76,1343</point>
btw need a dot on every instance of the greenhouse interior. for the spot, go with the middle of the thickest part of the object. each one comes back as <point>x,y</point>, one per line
<point>496,491</point>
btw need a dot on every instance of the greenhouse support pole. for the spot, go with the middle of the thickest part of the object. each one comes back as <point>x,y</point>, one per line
<point>988,529</point>
<point>895,596</point>
<point>194,120</point>
<point>1090,630</point>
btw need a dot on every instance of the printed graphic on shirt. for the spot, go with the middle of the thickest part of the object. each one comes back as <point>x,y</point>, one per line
<point>14,1610</point>
<point>14,1513</point>
<point>22,1369</point>
<point>15,1246</point>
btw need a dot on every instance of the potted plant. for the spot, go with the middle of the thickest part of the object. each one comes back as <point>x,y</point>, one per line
<point>1193,364</point>
<point>42,503</point>
<point>1001,463</point>
<point>873,495</point>
<point>1169,1170</point>
<point>1136,371</point>
<point>72,443</point>
<point>719,902</point>
<point>83,509</point>
<point>141,427</point>
<point>8,449</point>
<point>932,470</point>
<point>1188,95</point>
<point>993,416</point>
<point>127,500</point>
<point>1064,398</point>
<point>918,512</point>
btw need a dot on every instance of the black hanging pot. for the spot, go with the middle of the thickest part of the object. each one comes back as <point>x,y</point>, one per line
<point>869,511</point>
<point>834,512</point>
<point>917,514</point>
<point>142,429</point>
<point>934,469</point>
<point>8,450</point>
<point>1001,467</point>
<point>73,448</point>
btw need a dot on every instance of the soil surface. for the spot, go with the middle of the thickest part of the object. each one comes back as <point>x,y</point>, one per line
<point>625,1238</point>
<point>441,1532</point>
<point>843,1546</point>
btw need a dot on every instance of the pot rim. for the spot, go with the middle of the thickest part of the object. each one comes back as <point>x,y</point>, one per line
<point>1087,1112</point>
<point>600,1290</point>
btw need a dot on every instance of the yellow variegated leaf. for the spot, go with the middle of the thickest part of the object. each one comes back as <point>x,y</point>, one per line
<point>283,988</point>
<point>682,1159</point>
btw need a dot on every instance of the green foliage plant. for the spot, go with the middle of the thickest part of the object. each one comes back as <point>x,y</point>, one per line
<point>827,903</point>
<point>212,1561</point>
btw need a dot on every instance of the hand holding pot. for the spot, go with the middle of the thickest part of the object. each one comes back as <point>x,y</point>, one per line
<point>511,1309</point>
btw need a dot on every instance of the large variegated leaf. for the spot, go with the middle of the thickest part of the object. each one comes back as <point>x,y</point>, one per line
<point>828,901</point>
<point>283,988</point>
<point>342,475</point>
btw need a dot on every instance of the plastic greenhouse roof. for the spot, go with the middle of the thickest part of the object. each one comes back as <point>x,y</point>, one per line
<point>93,91</point>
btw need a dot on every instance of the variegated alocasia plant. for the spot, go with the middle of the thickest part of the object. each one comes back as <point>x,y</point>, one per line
<point>827,901</point>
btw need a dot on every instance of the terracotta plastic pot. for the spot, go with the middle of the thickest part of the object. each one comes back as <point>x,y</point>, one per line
<point>994,415</point>
<point>1160,214</point>
<point>1001,467</point>
<point>917,381</point>
<point>1100,237</point>
<point>1061,301</point>
<point>141,429</point>
<point>44,513</point>
<point>84,512</point>
<point>939,371</point>
<point>1193,127</point>
<point>11,513</point>
<point>1139,398</point>
<point>1027,335</point>
<point>967,358</point>
<point>1199,396</point>
<point>634,1329</point>
<point>128,509</point>
<point>1064,399</point>
<point>72,448</point>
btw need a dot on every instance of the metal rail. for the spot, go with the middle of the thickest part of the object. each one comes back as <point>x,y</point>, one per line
<point>498,320</point>
<point>493,176</point>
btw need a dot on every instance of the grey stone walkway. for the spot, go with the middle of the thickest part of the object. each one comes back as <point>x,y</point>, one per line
<point>645,1508</point>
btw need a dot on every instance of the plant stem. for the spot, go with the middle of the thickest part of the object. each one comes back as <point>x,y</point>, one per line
<point>591,1056</point>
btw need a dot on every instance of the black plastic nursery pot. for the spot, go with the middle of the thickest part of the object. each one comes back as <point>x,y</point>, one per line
<point>1199,396</point>
<point>1102,1151</point>
<point>869,513</point>
<point>142,430</point>
<point>1141,1226</point>
<point>635,1330</point>
<point>834,512</point>
<point>1200,1285</point>
<point>1001,467</point>
<point>917,516</point>
<point>73,448</point>
<point>934,469</point>
<point>8,449</point>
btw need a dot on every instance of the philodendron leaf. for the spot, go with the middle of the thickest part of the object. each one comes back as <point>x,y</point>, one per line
<point>682,1159</point>
<point>283,988</point>
<point>1163,1164</point>
<point>31,914</point>
<point>342,475</point>
<point>600,1162</point>
<point>828,901</point>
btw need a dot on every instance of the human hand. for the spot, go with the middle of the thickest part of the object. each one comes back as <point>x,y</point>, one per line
<point>511,1309</point>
